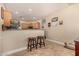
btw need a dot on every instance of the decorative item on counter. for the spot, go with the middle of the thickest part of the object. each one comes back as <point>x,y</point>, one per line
<point>15,24</point>
<point>60,22</point>
<point>49,24</point>
<point>54,19</point>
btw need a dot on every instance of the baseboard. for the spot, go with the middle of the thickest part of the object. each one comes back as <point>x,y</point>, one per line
<point>61,43</point>
<point>13,51</point>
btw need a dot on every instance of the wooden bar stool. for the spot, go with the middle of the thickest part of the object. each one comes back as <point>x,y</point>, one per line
<point>41,40</point>
<point>32,43</point>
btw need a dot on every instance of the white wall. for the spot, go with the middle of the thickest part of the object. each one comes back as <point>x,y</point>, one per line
<point>69,31</point>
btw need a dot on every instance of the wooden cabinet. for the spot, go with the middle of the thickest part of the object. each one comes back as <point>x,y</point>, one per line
<point>30,25</point>
<point>7,18</point>
<point>76,48</point>
<point>7,14</point>
<point>36,25</point>
<point>24,25</point>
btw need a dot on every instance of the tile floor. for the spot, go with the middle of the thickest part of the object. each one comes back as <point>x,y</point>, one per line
<point>51,49</point>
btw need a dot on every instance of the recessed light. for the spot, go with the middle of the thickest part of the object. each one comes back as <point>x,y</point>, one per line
<point>16,12</point>
<point>30,9</point>
<point>22,18</point>
<point>34,17</point>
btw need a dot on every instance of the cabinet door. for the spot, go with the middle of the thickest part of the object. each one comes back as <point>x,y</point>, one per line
<point>36,25</point>
<point>24,25</point>
<point>7,18</point>
<point>7,14</point>
<point>7,22</point>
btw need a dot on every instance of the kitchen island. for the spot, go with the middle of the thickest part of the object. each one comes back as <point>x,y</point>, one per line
<point>16,40</point>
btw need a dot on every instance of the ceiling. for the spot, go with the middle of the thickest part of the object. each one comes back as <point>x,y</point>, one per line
<point>29,11</point>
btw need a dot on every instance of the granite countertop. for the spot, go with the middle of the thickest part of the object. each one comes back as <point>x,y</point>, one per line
<point>21,30</point>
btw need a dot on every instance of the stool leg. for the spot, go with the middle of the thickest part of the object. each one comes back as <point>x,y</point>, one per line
<point>35,44</point>
<point>30,48</point>
<point>28,44</point>
<point>43,42</point>
<point>40,42</point>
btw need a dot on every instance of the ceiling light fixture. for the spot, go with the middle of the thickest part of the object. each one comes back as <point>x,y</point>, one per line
<point>34,17</point>
<point>29,9</point>
<point>22,18</point>
<point>16,12</point>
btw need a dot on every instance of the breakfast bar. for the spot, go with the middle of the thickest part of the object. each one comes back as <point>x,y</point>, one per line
<point>17,39</point>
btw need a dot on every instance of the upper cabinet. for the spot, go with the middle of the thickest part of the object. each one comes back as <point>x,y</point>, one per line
<point>30,25</point>
<point>7,14</point>
<point>36,25</point>
<point>7,18</point>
